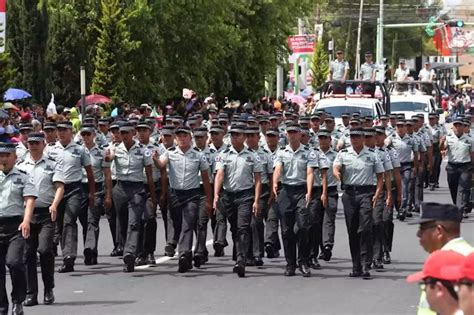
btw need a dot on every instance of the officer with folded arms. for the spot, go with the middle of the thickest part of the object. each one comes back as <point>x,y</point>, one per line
<point>186,166</point>
<point>291,166</point>
<point>16,211</point>
<point>48,179</point>
<point>355,166</point>
<point>237,190</point>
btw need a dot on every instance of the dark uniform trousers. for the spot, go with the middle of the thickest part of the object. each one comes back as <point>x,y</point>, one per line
<point>129,199</point>
<point>459,182</point>
<point>12,246</point>
<point>436,168</point>
<point>90,216</point>
<point>184,204</point>
<point>66,224</point>
<point>295,224</point>
<point>201,226</point>
<point>41,241</point>
<point>406,175</point>
<point>111,216</point>
<point>149,225</point>
<point>378,214</point>
<point>416,187</point>
<point>357,202</point>
<point>323,220</point>
<point>237,208</point>
<point>257,227</point>
<point>220,230</point>
<point>273,221</point>
<point>387,218</point>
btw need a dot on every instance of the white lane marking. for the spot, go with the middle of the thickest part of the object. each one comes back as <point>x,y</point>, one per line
<point>166,258</point>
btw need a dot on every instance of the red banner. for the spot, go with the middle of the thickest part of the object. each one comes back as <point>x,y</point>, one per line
<point>302,44</point>
<point>3,5</point>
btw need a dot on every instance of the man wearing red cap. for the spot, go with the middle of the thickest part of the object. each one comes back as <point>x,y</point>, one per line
<point>440,229</point>
<point>439,288</point>
<point>464,275</point>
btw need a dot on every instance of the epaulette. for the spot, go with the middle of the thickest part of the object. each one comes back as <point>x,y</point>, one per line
<point>141,145</point>
<point>390,146</point>
<point>226,150</point>
<point>371,150</point>
<point>265,150</point>
<point>196,149</point>
<point>102,146</point>
<point>171,149</point>
<point>212,150</point>
<point>251,150</point>
<point>51,144</point>
<point>306,147</point>
<point>22,171</point>
<point>344,150</point>
<point>51,158</point>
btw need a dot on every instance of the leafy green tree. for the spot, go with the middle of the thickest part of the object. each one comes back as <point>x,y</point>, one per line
<point>319,65</point>
<point>7,74</point>
<point>113,46</point>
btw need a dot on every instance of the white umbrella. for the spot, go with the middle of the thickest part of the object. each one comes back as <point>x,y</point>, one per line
<point>459,82</point>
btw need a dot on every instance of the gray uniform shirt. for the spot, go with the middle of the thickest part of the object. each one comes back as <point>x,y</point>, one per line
<point>155,170</point>
<point>14,186</point>
<point>367,70</point>
<point>459,149</point>
<point>129,164</point>
<point>97,155</point>
<point>294,164</point>
<point>73,158</point>
<point>317,160</point>
<point>21,151</point>
<point>44,174</point>
<point>239,168</point>
<point>338,68</point>
<point>359,169</point>
<point>405,147</point>
<point>185,167</point>
<point>267,164</point>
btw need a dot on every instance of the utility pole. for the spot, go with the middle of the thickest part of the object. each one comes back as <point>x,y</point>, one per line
<point>380,35</point>
<point>359,29</point>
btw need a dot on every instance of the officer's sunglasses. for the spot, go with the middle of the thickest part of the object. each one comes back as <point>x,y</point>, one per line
<point>427,282</point>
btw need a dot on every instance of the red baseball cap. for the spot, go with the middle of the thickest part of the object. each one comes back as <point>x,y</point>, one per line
<point>435,263</point>
<point>464,269</point>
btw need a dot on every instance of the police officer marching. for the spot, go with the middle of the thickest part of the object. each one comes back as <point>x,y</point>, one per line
<point>256,248</point>
<point>459,149</point>
<point>291,165</point>
<point>328,211</point>
<point>73,158</point>
<point>317,187</point>
<point>129,196</point>
<point>237,190</point>
<point>407,149</point>
<point>185,165</point>
<point>103,192</point>
<point>355,167</point>
<point>149,226</point>
<point>16,211</point>
<point>47,176</point>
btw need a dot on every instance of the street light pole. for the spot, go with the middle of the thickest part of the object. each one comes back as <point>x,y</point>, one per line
<point>83,92</point>
<point>359,29</point>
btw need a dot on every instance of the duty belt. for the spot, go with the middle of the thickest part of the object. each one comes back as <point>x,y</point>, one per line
<point>359,189</point>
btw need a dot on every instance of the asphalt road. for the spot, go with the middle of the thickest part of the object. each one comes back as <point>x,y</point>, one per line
<point>214,289</point>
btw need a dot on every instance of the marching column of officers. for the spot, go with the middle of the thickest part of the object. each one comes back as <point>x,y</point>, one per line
<point>256,175</point>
